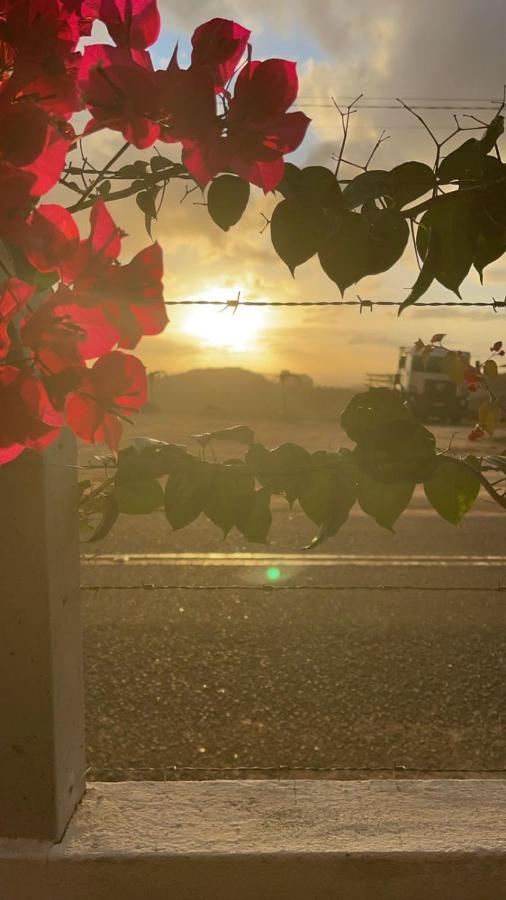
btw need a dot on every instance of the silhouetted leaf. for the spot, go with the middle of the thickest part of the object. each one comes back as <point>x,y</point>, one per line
<point>372,409</point>
<point>452,489</point>
<point>463,164</point>
<point>159,163</point>
<point>492,134</point>
<point>427,273</point>
<point>187,492</point>
<point>367,186</point>
<point>452,226</point>
<point>255,519</point>
<point>227,200</point>
<point>231,492</point>
<point>281,471</point>
<point>409,181</point>
<point>399,451</point>
<point>296,232</point>
<point>138,498</point>
<point>389,234</point>
<point>344,254</point>
<point>384,502</point>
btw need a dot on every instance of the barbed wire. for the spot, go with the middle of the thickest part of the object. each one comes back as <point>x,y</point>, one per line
<point>173,772</point>
<point>274,588</point>
<point>493,304</point>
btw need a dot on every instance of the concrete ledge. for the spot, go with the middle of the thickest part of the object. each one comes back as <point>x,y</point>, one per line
<point>313,840</point>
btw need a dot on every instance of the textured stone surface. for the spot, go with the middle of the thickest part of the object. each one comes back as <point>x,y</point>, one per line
<point>272,841</point>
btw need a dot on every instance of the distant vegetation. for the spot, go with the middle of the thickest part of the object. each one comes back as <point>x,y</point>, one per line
<point>247,395</point>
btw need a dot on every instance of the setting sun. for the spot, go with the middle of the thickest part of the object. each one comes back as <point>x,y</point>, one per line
<point>237,329</point>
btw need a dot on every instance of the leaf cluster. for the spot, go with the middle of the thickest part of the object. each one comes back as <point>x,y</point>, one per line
<point>392,454</point>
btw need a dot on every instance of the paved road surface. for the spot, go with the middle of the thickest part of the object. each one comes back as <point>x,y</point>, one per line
<point>391,664</point>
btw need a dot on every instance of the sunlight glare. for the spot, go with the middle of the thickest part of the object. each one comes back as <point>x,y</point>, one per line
<point>236,330</point>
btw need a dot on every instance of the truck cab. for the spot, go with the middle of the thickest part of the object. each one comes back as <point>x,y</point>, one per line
<point>429,391</point>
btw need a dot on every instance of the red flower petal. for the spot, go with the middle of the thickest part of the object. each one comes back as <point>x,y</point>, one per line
<point>131,23</point>
<point>219,46</point>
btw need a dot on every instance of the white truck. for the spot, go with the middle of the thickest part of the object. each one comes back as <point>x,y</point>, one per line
<point>430,392</point>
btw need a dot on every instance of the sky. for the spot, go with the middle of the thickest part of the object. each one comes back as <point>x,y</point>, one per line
<point>434,50</point>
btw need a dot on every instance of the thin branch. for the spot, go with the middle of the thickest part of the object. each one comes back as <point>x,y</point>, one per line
<point>81,203</point>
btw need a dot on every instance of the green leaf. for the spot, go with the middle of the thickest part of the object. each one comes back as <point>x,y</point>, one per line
<point>490,369</point>
<point>296,232</point>
<point>232,491</point>
<point>388,236</point>
<point>138,498</point>
<point>227,200</point>
<point>133,170</point>
<point>367,186</point>
<point>463,164</point>
<point>384,502</point>
<point>492,134</point>
<point>426,275</point>
<point>409,181</point>
<point>255,520</point>
<point>320,187</point>
<point>328,493</point>
<point>187,492</point>
<point>104,188</point>
<point>314,186</point>
<point>399,451</point>
<point>281,471</point>
<point>146,201</point>
<point>159,163</point>
<point>373,409</point>
<point>150,462</point>
<point>452,489</point>
<point>344,254</point>
<point>452,225</point>
<point>490,415</point>
<point>490,244</point>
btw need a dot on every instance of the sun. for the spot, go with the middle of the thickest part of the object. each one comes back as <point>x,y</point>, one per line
<point>214,326</point>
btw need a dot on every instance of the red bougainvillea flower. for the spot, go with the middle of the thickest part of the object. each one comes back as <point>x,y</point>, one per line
<point>51,239</point>
<point>259,130</point>
<point>219,46</point>
<point>131,23</point>
<point>476,434</point>
<point>14,295</point>
<point>187,104</point>
<point>28,420</point>
<point>471,376</point>
<point>46,169</point>
<point>51,242</point>
<point>24,132</point>
<point>43,35</point>
<point>53,339</point>
<point>120,89</point>
<point>118,307</point>
<point>101,248</point>
<point>16,186</point>
<point>116,383</point>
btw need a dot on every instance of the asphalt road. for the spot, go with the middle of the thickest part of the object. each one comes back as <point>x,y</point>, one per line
<point>378,666</point>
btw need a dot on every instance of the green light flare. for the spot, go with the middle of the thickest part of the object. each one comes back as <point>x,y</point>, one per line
<point>273,573</point>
